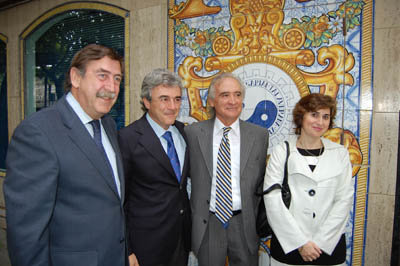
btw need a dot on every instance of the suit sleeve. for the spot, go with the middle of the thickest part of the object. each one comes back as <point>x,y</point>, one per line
<point>30,193</point>
<point>331,230</point>
<point>282,222</point>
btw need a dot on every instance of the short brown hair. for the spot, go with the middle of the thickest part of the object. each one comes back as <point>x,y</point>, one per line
<point>312,103</point>
<point>89,53</point>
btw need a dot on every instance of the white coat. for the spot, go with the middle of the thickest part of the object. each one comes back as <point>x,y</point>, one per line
<point>320,216</point>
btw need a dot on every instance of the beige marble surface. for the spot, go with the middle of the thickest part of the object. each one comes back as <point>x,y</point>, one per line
<point>12,68</point>
<point>387,13</point>
<point>3,224</point>
<point>384,153</point>
<point>14,114</point>
<point>4,260</point>
<point>149,35</point>
<point>386,70</point>
<point>386,104</point>
<point>379,230</point>
<point>2,204</point>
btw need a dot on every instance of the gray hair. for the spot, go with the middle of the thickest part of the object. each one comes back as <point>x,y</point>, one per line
<point>219,78</point>
<point>215,83</point>
<point>159,76</point>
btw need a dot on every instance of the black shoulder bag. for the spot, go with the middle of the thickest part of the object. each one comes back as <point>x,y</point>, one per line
<point>262,226</point>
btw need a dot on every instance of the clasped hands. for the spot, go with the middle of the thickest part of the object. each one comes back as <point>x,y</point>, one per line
<point>310,251</point>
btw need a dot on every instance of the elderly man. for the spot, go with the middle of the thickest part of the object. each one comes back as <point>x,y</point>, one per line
<point>227,163</point>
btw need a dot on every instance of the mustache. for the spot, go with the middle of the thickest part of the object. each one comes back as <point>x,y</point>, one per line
<point>106,95</point>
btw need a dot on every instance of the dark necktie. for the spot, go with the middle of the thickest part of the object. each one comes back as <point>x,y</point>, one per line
<point>173,156</point>
<point>223,195</point>
<point>97,139</point>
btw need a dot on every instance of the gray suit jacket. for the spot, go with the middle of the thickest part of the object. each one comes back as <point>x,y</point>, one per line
<point>61,199</point>
<point>253,153</point>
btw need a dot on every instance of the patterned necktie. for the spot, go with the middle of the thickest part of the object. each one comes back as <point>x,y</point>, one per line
<point>223,196</point>
<point>173,156</point>
<point>97,139</point>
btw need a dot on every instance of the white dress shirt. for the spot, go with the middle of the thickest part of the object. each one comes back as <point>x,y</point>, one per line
<point>234,141</point>
<point>86,119</point>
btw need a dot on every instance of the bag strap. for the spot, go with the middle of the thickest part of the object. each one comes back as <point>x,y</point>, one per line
<point>273,187</point>
<point>285,176</point>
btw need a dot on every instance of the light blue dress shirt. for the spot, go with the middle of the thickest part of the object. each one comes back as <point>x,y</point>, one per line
<point>179,141</point>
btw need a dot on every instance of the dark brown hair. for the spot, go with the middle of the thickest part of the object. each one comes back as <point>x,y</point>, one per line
<point>89,53</point>
<point>312,103</point>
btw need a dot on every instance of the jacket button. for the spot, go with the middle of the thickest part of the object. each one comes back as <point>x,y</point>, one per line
<point>122,240</point>
<point>313,215</point>
<point>311,192</point>
<point>208,202</point>
<point>204,221</point>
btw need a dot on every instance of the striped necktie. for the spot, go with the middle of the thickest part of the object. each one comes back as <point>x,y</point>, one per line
<point>223,196</point>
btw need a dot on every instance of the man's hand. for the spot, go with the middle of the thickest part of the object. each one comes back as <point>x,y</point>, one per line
<point>310,251</point>
<point>133,260</point>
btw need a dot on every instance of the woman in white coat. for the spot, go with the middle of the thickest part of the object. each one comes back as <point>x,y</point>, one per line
<point>311,231</point>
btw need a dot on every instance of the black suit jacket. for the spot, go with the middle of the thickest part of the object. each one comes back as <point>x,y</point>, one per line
<point>157,205</point>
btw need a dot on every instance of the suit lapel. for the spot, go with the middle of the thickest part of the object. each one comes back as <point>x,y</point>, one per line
<point>81,137</point>
<point>246,145</point>
<point>185,167</point>
<point>112,136</point>
<point>152,144</point>
<point>205,139</point>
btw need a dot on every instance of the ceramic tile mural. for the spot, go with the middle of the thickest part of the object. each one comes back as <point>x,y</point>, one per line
<point>283,50</point>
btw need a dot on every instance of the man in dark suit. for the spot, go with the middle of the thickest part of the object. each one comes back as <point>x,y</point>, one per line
<point>156,164</point>
<point>64,187</point>
<point>227,163</point>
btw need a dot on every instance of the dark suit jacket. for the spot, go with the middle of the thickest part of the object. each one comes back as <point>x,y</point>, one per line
<point>253,154</point>
<point>62,205</point>
<point>157,206</point>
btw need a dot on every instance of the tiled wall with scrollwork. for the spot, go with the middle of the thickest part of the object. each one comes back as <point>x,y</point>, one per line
<point>283,50</point>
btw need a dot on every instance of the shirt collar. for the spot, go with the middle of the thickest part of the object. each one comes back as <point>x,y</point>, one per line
<point>156,127</point>
<point>219,126</point>
<point>83,116</point>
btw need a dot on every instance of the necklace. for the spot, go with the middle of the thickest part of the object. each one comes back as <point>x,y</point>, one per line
<point>314,159</point>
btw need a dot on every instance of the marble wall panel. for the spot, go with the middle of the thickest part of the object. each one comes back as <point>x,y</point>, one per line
<point>14,113</point>
<point>384,153</point>
<point>384,136</point>
<point>148,44</point>
<point>4,260</point>
<point>386,70</point>
<point>2,203</point>
<point>13,68</point>
<point>379,229</point>
<point>387,13</point>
